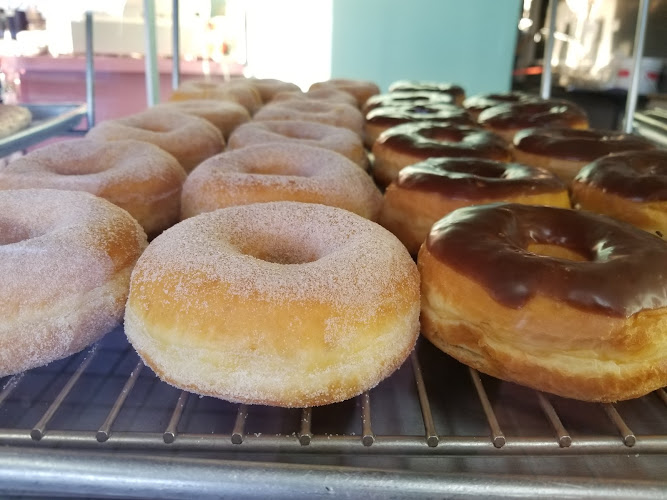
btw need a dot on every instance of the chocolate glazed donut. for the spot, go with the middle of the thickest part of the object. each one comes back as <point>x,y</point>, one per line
<point>563,301</point>
<point>629,186</point>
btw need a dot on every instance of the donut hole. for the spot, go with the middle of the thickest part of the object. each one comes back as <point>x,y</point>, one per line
<point>280,249</point>
<point>560,252</point>
<point>78,168</point>
<point>285,169</point>
<point>154,126</point>
<point>11,232</point>
<point>442,134</point>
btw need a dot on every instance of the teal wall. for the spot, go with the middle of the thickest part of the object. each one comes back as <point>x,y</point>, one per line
<point>469,42</point>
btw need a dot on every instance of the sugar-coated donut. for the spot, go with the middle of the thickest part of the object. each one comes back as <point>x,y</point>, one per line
<point>65,262</point>
<point>382,118</point>
<point>321,94</point>
<point>137,176</point>
<point>225,115</point>
<point>339,139</point>
<point>564,301</point>
<point>410,143</point>
<point>189,138</point>
<point>509,118</point>
<point>456,91</point>
<point>13,118</point>
<point>287,304</point>
<point>478,103</point>
<point>429,190</point>
<point>361,90</point>
<point>320,111</point>
<point>239,90</point>
<point>280,172</point>
<point>630,186</point>
<point>269,87</point>
<point>565,151</point>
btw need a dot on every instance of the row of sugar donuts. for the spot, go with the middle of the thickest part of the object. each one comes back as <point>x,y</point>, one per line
<point>372,331</point>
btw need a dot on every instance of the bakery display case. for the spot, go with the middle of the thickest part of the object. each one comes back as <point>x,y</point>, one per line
<point>101,424</point>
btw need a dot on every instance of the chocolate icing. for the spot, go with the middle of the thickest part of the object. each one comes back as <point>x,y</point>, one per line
<point>424,139</point>
<point>546,113</point>
<point>418,86</point>
<point>637,175</point>
<point>477,179</point>
<point>578,145</point>
<point>484,101</point>
<point>626,270</point>
<point>407,98</point>
<point>395,115</point>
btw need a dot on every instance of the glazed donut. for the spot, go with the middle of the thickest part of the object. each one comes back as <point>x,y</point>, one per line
<point>630,186</point>
<point>509,118</point>
<point>269,87</point>
<point>565,151</point>
<point>296,304</point>
<point>225,115</point>
<point>189,138</point>
<point>238,90</point>
<point>321,94</point>
<point>563,301</point>
<point>361,90</point>
<point>406,98</point>
<point>429,190</point>
<point>478,103</point>
<point>383,118</point>
<point>455,91</point>
<point>136,176</point>
<point>328,112</point>
<point>338,139</point>
<point>280,171</point>
<point>411,143</point>
<point>65,261</point>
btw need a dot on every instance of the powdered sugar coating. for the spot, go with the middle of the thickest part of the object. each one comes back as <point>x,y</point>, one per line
<point>323,94</point>
<point>189,138</point>
<point>331,113</point>
<point>65,259</point>
<point>225,115</point>
<point>338,139</point>
<point>239,90</point>
<point>311,288</point>
<point>360,89</point>
<point>280,171</point>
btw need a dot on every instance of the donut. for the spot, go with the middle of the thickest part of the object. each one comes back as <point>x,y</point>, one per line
<point>509,118</point>
<point>286,304</point>
<point>565,151</point>
<point>136,176</point>
<point>238,90</point>
<point>361,90</point>
<point>385,117</point>
<point>411,143</point>
<point>338,139</point>
<point>328,112</point>
<point>563,301</point>
<point>478,103</point>
<point>225,115</point>
<point>13,118</point>
<point>406,98</point>
<point>629,186</point>
<point>320,94</point>
<point>427,191</point>
<point>455,91</point>
<point>189,138</point>
<point>65,261</point>
<point>269,87</point>
<point>280,171</point>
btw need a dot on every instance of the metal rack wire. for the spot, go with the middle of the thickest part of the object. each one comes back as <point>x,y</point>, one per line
<point>177,434</point>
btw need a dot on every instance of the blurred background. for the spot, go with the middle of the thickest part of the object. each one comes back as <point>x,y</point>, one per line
<point>485,46</point>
